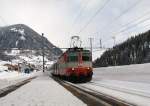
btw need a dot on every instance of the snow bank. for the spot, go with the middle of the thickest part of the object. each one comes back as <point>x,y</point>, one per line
<point>10,78</point>
<point>136,73</point>
<point>2,68</point>
<point>4,62</point>
<point>10,74</point>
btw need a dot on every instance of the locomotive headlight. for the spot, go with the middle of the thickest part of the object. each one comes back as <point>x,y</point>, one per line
<point>88,68</point>
<point>72,68</point>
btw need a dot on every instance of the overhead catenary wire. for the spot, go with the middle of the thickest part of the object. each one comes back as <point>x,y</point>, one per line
<point>116,18</point>
<point>126,11</point>
<point>129,28</point>
<point>122,13</point>
<point>132,26</point>
<point>78,15</point>
<point>148,25</point>
<point>142,26</point>
<point>94,15</point>
<point>130,8</point>
<point>132,21</point>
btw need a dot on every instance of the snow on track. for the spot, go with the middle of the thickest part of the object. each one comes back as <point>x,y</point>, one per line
<point>42,91</point>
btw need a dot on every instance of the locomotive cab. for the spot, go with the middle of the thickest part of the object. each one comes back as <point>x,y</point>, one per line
<point>74,65</point>
<point>79,64</point>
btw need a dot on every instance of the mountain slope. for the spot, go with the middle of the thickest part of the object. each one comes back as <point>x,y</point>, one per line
<point>22,37</point>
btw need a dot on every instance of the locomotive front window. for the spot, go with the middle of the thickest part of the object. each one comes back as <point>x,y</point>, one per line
<point>85,58</point>
<point>73,58</point>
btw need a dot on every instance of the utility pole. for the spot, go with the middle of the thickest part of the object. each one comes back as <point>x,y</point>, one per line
<point>43,52</point>
<point>91,46</point>
<point>100,42</point>
<point>114,38</point>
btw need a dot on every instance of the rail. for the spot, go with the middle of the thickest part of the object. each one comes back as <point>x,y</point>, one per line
<point>91,98</point>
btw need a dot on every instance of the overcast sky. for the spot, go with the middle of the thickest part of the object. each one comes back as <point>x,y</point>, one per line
<point>60,19</point>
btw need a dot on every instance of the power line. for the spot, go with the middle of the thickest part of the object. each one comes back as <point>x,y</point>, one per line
<point>133,21</point>
<point>91,19</point>
<point>143,26</point>
<point>78,15</point>
<point>127,33</point>
<point>100,43</point>
<point>123,13</point>
<point>132,26</point>
<point>127,10</point>
<point>136,3</point>
<point>147,13</point>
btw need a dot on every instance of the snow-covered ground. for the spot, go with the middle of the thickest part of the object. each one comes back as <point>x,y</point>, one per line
<point>129,83</point>
<point>42,91</point>
<point>134,73</point>
<point>13,77</point>
<point>28,56</point>
<point>8,78</point>
<point>97,53</point>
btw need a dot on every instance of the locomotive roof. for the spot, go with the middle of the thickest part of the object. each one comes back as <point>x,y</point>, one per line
<point>75,49</point>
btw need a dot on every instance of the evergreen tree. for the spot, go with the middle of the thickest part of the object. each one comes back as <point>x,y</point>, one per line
<point>135,50</point>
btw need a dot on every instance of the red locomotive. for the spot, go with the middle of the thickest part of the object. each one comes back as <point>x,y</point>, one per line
<point>74,65</point>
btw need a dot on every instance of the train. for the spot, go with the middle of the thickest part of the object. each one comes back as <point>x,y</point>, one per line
<point>74,65</point>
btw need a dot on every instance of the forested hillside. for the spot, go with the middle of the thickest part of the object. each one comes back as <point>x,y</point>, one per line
<point>135,50</point>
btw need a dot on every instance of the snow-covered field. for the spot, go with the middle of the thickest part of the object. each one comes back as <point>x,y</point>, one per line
<point>129,83</point>
<point>11,78</point>
<point>134,73</point>
<point>28,56</point>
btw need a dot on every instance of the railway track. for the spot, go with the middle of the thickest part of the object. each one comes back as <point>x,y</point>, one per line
<point>90,97</point>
